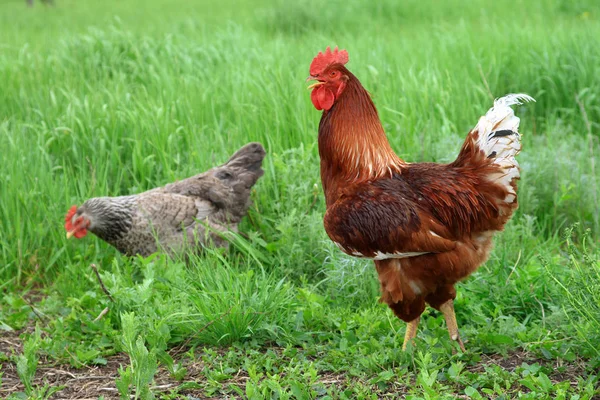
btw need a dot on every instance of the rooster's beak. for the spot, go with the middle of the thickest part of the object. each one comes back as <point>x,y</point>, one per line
<point>70,234</point>
<point>314,85</point>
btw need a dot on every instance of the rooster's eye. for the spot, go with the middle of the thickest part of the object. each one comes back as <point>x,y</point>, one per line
<point>332,74</point>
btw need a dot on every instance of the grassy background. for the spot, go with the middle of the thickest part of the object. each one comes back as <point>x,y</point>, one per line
<point>116,97</point>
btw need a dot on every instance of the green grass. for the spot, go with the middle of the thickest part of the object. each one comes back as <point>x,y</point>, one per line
<point>112,98</point>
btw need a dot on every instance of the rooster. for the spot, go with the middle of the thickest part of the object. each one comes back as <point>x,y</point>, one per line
<point>184,214</point>
<point>425,225</point>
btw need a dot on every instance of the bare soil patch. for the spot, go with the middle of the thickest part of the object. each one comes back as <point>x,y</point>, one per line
<point>90,382</point>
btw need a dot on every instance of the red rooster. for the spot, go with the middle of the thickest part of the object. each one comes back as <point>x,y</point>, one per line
<point>425,225</point>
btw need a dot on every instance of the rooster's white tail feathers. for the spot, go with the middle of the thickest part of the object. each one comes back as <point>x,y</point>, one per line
<point>499,139</point>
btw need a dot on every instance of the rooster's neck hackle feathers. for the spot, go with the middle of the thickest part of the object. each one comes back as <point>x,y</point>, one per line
<point>352,143</point>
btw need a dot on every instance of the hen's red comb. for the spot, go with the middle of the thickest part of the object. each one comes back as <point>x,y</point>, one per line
<point>323,60</point>
<point>68,218</point>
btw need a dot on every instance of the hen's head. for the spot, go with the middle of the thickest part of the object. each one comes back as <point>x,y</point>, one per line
<point>76,222</point>
<point>107,217</point>
<point>328,70</point>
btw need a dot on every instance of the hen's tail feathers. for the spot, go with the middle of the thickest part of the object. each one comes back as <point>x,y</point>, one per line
<point>246,164</point>
<point>239,174</point>
<point>496,135</point>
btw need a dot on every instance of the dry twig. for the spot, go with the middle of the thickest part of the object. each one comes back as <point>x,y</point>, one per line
<point>101,283</point>
<point>102,314</point>
<point>105,290</point>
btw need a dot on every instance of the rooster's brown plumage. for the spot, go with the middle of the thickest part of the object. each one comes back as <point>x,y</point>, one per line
<point>425,225</point>
<point>179,216</point>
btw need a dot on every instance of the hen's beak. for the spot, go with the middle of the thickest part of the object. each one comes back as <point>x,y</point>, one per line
<point>70,234</point>
<point>314,85</point>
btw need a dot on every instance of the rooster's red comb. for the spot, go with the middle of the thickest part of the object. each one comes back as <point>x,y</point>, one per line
<point>323,60</point>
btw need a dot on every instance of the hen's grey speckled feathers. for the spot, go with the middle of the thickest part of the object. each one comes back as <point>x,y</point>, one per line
<point>176,216</point>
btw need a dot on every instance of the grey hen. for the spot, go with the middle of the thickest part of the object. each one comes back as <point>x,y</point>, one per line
<point>183,215</point>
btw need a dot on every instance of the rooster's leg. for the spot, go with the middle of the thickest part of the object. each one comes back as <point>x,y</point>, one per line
<point>448,310</point>
<point>411,331</point>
